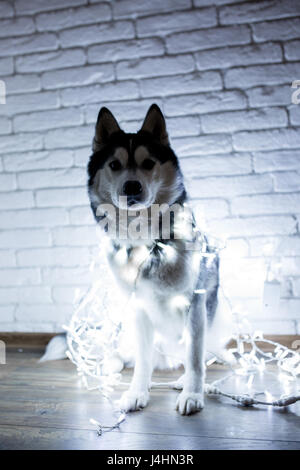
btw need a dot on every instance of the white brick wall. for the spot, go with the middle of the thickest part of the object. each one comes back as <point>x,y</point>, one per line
<point>221,71</point>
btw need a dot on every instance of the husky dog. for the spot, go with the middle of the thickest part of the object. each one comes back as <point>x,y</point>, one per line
<point>176,288</point>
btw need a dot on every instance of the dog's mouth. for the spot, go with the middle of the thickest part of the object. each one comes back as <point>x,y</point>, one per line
<point>132,203</point>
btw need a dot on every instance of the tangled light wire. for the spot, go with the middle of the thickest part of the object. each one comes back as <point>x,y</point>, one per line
<point>94,333</point>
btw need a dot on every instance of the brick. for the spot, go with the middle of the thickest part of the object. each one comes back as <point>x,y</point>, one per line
<point>130,126</point>
<point>50,60</point>
<point>289,308</point>
<point>65,197</point>
<point>6,66</point>
<point>170,23</point>
<point>161,66</point>
<point>204,103</point>
<point>19,277</point>
<point>25,294</point>
<point>16,27</point>
<point>294,113</point>
<point>204,3</point>
<point>287,181</point>
<point>105,32</point>
<point>35,6</point>
<point>7,258</point>
<point>22,84</point>
<point>127,8</point>
<point>266,204</point>
<point>31,327</point>
<point>243,55</point>
<point>35,317</point>
<point>56,256</point>
<point>177,127</point>
<point>74,236</point>
<point>21,142</point>
<point>7,182</point>
<point>91,94</point>
<point>81,156</point>
<point>18,104</point>
<point>202,145</point>
<point>230,186</point>
<point>183,126</point>
<point>267,140</point>
<point>123,110</point>
<point>81,216</point>
<point>21,45</point>
<point>45,120</point>
<point>217,208</point>
<point>132,49</point>
<point>188,83</point>
<point>51,178</point>
<point>65,295</point>
<point>253,226</point>
<point>236,248</point>
<point>69,137</point>
<point>5,125</point>
<point>284,246</point>
<point>24,238</point>
<point>6,314</point>
<point>269,96</point>
<point>33,218</point>
<point>244,288</point>
<point>214,165</point>
<point>261,75</point>
<point>290,266</point>
<point>284,327</point>
<point>66,276</point>
<point>208,39</point>
<point>296,287</point>
<point>6,9</point>
<point>277,160</point>
<point>77,76</point>
<point>60,20</point>
<point>16,200</point>
<point>281,30</point>
<point>258,11</point>
<point>292,50</point>
<point>38,160</point>
<point>242,120</point>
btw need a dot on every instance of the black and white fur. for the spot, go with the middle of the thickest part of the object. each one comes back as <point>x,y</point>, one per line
<point>167,309</point>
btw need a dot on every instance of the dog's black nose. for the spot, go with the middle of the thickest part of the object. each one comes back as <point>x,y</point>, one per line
<point>132,188</point>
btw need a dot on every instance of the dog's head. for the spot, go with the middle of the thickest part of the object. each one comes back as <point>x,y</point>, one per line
<point>133,171</point>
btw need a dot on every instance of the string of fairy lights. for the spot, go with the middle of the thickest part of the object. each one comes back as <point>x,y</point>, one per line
<point>94,333</point>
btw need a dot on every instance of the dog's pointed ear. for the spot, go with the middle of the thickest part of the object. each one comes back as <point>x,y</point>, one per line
<point>155,124</point>
<point>105,127</point>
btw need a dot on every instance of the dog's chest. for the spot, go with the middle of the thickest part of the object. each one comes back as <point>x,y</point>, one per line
<point>165,267</point>
<point>162,279</point>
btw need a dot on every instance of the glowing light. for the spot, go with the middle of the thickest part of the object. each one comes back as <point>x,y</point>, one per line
<point>179,301</point>
<point>168,251</point>
<point>121,256</point>
<point>94,332</point>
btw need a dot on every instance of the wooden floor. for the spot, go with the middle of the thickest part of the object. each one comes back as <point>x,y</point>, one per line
<point>43,406</point>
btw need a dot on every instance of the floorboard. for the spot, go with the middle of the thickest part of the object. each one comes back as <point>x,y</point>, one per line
<point>43,406</point>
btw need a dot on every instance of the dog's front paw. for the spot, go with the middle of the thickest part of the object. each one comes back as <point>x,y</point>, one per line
<point>134,400</point>
<point>188,403</point>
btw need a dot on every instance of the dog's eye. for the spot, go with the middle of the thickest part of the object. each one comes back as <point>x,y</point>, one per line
<point>148,164</point>
<point>115,165</point>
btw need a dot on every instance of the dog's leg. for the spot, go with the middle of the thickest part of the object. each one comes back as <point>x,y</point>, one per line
<point>137,396</point>
<point>191,399</point>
